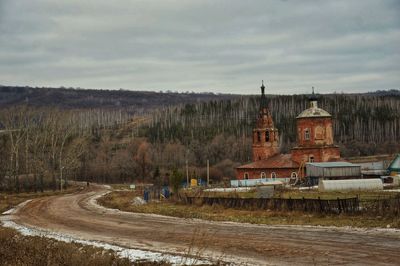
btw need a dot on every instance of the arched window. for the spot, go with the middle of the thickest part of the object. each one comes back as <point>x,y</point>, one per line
<point>258,136</point>
<point>273,175</point>
<point>266,136</point>
<point>311,158</point>
<point>307,134</point>
<point>263,175</point>
<point>246,175</point>
<point>293,175</point>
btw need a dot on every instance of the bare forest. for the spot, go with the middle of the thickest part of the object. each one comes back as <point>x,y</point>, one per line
<point>44,147</point>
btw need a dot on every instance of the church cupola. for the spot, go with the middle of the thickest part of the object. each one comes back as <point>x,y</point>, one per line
<point>314,135</point>
<point>265,135</point>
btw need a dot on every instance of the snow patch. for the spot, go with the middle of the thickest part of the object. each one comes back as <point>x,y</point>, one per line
<point>239,189</point>
<point>129,253</point>
<point>138,201</point>
<point>11,211</point>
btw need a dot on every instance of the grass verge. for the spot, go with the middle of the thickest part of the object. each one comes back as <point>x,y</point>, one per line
<point>122,200</point>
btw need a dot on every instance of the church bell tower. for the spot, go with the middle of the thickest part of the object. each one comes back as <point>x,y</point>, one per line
<point>265,135</point>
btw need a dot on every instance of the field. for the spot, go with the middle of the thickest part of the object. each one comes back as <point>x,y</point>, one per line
<point>122,200</point>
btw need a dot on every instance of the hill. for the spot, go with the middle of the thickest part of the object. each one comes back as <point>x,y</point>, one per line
<point>106,99</point>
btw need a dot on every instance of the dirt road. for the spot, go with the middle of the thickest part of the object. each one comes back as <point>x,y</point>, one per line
<point>79,215</point>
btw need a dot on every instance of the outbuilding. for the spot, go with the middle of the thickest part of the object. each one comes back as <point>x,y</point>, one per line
<point>394,167</point>
<point>332,170</point>
<point>350,185</point>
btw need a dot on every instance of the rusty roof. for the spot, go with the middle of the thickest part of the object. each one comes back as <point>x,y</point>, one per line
<point>276,161</point>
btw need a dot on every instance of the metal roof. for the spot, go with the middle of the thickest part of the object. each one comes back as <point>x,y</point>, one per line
<point>276,161</point>
<point>334,164</point>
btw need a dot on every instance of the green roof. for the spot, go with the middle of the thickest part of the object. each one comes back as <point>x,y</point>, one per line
<point>395,165</point>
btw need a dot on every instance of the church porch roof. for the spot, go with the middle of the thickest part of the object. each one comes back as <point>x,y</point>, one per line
<point>274,162</point>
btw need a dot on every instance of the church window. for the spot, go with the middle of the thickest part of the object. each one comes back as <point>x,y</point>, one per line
<point>258,136</point>
<point>307,134</point>
<point>267,136</point>
<point>263,175</point>
<point>246,175</point>
<point>273,175</point>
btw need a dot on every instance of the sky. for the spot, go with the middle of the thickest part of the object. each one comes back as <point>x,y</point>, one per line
<point>202,46</point>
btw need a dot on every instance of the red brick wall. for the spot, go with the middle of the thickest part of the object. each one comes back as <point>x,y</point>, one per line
<point>256,173</point>
<point>263,149</point>
<point>319,145</point>
<point>320,131</point>
<point>320,154</point>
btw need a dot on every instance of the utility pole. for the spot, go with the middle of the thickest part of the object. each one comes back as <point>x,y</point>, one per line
<point>187,174</point>
<point>208,173</point>
<point>61,178</point>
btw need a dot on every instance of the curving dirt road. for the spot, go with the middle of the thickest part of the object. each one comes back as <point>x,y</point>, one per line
<point>80,216</point>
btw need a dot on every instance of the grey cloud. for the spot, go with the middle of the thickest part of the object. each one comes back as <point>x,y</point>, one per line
<point>226,46</point>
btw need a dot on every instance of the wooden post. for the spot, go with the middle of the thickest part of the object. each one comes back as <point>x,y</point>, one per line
<point>208,173</point>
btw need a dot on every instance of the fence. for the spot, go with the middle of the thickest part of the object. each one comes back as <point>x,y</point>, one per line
<point>348,205</point>
<point>382,206</point>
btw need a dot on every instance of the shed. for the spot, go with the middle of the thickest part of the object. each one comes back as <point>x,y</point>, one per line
<point>350,184</point>
<point>394,167</point>
<point>333,170</point>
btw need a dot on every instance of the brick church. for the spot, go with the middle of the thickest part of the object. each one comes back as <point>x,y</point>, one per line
<point>314,144</point>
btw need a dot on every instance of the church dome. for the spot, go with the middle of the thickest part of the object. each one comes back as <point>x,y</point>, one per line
<point>314,111</point>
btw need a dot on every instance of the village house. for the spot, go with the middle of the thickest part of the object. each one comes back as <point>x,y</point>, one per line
<point>314,144</point>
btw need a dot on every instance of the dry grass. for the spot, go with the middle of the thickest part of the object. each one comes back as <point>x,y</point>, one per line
<point>16,249</point>
<point>314,194</point>
<point>294,194</point>
<point>123,200</point>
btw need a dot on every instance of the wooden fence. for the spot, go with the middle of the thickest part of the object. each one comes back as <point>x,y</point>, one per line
<point>382,207</point>
<point>348,205</point>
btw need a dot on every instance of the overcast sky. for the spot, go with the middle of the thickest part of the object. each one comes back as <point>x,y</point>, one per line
<point>220,46</point>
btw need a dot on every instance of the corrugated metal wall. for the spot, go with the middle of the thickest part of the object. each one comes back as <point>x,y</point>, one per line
<point>326,172</point>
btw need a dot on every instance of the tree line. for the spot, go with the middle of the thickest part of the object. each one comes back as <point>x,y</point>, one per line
<point>44,147</point>
<point>363,124</point>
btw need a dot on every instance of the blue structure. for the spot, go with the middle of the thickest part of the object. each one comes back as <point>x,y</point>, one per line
<point>394,167</point>
<point>146,195</point>
<point>165,192</point>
